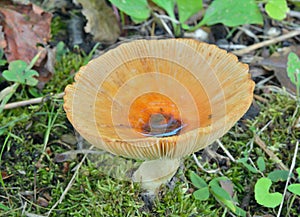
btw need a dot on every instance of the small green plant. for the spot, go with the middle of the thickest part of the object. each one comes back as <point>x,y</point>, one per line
<point>293,71</point>
<point>276,9</point>
<point>2,61</point>
<point>232,13</point>
<point>139,10</point>
<point>229,12</point>
<point>219,193</point>
<point>262,193</point>
<point>18,72</point>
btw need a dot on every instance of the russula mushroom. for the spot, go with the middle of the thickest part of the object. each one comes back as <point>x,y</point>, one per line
<point>158,100</point>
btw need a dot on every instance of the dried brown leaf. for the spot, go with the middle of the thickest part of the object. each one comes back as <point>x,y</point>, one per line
<point>24,27</point>
<point>102,23</point>
<point>42,202</point>
<point>278,63</point>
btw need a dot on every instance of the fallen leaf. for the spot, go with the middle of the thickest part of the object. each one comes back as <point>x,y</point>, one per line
<point>5,175</point>
<point>102,23</point>
<point>278,63</point>
<point>42,202</point>
<point>46,68</point>
<point>24,27</point>
<point>2,39</point>
<point>227,186</point>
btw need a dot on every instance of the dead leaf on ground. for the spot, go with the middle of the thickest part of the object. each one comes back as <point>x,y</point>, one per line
<point>227,186</point>
<point>278,63</point>
<point>42,202</point>
<point>102,23</point>
<point>46,68</point>
<point>2,38</point>
<point>5,175</point>
<point>24,27</point>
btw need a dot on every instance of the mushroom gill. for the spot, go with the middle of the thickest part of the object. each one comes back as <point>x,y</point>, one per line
<point>158,100</point>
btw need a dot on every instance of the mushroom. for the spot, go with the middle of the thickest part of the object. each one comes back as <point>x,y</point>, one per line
<point>158,100</point>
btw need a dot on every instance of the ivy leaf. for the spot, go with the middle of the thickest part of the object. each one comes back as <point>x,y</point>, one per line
<point>278,175</point>
<point>197,181</point>
<point>277,9</point>
<point>232,13</point>
<point>138,10</point>
<point>203,192</point>
<point>223,196</point>
<point>248,166</point>
<point>168,6</point>
<point>294,188</point>
<point>263,196</point>
<point>261,164</point>
<point>293,68</point>
<point>18,72</point>
<point>186,9</point>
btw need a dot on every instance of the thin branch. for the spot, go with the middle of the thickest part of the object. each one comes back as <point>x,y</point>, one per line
<point>289,177</point>
<point>263,146</point>
<point>32,101</point>
<point>225,150</point>
<point>267,42</point>
<point>70,184</point>
<point>202,168</point>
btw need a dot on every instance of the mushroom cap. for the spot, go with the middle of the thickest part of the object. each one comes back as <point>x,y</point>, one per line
<point>153,99</point>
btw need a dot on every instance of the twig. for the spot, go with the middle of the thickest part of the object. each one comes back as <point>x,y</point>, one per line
<point>202,168</point>
<point>279,90</point>
<point>232,46</point>
<point>261,99</point>
<point>32,101</point>
<point>225,150</point>
<point>70,184</point>
<point>263,146</point>
<point>289,177</point>
<point>294,14</point>
<point>267,42</point>
<point>161,18</point>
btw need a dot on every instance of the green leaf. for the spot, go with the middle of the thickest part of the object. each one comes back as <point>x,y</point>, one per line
<point>138,10</point>
<point>278,175</point>
<point>261,164</point>
<point>167,5</point>
<point>220,194</point>
<point>186,9</point>
<point>277,9</point>
<point>3,207</point>
<point>2,61</point>
<point>197,181</point>
<point>201,194</point>
<point>17,72</point>
<point>61,50</point>
<point>248,166</point>
<point>298,170</point>
<point>263,196</point>
<point>223,196</point>
<point>293,68</point>
<point>294,188</point>
<point>232,13</point>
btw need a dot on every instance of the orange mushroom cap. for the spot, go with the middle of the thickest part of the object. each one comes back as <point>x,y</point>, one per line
<point>153,99</point>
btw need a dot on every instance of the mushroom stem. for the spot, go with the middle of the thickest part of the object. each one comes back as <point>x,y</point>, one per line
<point>151,174</point>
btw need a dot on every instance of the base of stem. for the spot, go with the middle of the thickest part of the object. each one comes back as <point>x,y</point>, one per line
<point>151,174</point>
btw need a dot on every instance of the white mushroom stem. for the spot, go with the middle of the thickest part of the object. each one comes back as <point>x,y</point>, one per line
<point>151,174</point>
